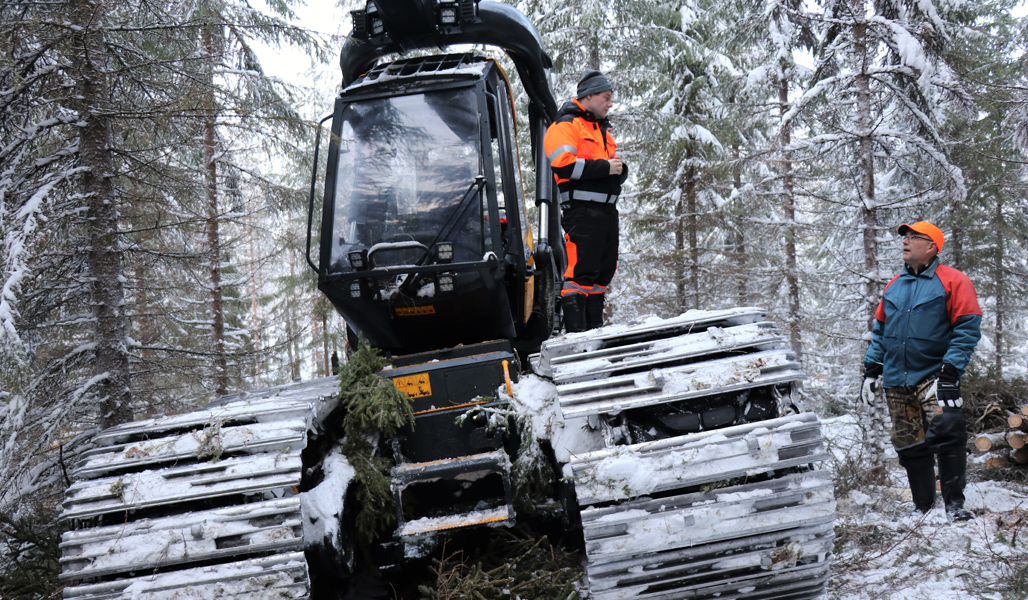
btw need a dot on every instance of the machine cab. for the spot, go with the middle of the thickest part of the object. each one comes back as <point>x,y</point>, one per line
<point>424,240</point>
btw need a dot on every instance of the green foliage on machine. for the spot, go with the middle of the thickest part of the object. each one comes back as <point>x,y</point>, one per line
<point>372,409</point>
<point>513,565</point>
<point>371,402</point>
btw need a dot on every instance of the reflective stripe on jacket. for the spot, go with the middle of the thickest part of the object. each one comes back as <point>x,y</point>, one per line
<point>924,320</point>
<point>578,148</point>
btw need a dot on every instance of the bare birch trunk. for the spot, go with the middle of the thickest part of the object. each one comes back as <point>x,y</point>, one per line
<point>104,258</point>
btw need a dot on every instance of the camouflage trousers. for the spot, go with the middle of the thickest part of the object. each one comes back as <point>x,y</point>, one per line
<point>916,420</point>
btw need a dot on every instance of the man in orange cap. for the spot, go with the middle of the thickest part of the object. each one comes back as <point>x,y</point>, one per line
<point>927,325</point>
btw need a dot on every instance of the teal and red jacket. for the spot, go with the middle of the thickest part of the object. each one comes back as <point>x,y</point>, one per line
<point>924,320</point>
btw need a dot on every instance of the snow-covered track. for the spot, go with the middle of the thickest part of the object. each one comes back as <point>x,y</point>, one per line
<point>278,576</point>
<point>692,460</point>
<point>743,539</point>
<point>203,504</point>
<point>706,486</point>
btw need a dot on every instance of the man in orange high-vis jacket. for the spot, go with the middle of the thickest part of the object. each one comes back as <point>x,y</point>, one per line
<point>589,174</point>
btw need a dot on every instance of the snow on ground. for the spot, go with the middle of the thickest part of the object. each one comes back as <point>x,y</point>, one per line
<point>884,550</point>
<point>887,551</point>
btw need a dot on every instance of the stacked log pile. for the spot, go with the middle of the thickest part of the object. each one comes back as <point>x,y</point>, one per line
<point>1009,447</point>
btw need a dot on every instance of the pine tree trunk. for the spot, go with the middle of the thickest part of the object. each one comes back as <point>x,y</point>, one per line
<point>868,209</point>
<point>594,51</point>
<point>738,237</point>
<point>865,163</point>
<point>324,341</point>
<point>104,257</point>
<point>213,237</point>
<point>679,255</point>
<point>291,328</point>
<point>692,229</point>
<point>999,278</point>
<point>315,346</point>
<point>789,208</point>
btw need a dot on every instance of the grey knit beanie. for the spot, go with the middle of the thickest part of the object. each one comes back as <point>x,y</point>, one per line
<point>592,82</point>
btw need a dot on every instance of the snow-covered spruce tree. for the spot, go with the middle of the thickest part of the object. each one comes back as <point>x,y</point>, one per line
<point>987,236</point>
<point>577,34</point>
<point>91,67</point>
<point>99,118</point>
<point>237,107</point>
<point>741,253</point>
<point>790,30</point>
<point>65,352</point>
<point>674,253</point>
<point>45,331</point>
<point>873,109</point>
<point>759,215</point>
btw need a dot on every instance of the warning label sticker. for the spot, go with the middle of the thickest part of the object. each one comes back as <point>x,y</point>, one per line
<point>415,386</point>
<point>414,311</point>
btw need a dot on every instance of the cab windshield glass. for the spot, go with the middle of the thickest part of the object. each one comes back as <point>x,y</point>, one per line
<point>405,164</point>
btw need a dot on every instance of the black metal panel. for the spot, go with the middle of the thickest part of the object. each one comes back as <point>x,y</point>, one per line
<point>447,385</point>
<point>498,25</point>
<point>406,325</point>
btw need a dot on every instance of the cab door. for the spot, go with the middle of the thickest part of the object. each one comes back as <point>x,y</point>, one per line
<point>516,233</point>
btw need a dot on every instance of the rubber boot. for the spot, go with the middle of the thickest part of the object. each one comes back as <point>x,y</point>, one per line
<point>953,477</point>
<point>573,307</point>
<point>594,311</point>
<point>921,475</point>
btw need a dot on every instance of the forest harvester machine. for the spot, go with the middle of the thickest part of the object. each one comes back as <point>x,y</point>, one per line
<point>690,473</point>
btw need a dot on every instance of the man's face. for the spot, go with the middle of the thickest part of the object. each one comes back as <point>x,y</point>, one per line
<point>918,249</point>
<point>598,104</point>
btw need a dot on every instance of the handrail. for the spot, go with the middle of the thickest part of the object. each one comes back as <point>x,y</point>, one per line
<point>310,204</point>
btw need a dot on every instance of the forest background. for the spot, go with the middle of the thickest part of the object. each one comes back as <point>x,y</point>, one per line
<point>154,181</point>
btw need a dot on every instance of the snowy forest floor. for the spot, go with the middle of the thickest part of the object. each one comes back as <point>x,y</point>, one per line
<point>885,550</point>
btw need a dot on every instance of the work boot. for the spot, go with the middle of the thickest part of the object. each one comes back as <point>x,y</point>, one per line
<point>594,311</point>
<point>573,307</point>
<point>953,477</point>
<point>921,475</point>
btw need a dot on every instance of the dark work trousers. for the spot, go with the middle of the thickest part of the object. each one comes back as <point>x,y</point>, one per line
<point>591,231</point>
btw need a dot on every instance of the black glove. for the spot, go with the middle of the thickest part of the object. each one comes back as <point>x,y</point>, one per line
<point>946,388</point>
<point>872,380</point>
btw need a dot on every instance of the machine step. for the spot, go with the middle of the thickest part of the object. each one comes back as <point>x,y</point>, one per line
<point>501,515</point>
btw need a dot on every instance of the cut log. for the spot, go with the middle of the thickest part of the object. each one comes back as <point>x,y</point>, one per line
<point>1020,456</point>
<point>1024,410</point>
<point>996,462</point>
<point>1016,439</point>
<point>991,441</point>
<point>986,442</point>
<point>1019,422</point>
